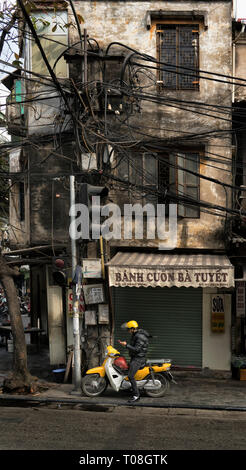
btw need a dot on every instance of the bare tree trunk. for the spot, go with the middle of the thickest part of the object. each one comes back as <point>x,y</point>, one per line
<point>20,380</point>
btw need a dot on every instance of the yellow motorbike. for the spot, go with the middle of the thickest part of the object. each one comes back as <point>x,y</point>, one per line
<point>154,378</point>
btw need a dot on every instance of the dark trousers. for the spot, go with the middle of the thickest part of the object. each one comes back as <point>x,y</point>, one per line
<point>135,364</point>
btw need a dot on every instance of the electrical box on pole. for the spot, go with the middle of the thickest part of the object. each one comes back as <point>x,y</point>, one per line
<point>91,197</point>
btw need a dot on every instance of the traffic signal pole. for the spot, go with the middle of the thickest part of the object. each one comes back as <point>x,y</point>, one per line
<point>76,293</point>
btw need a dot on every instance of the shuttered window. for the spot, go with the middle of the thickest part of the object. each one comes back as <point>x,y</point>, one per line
<point>153,177</point>
<point>177,47</point>
<point>141,171</point>
<point>185,183</point>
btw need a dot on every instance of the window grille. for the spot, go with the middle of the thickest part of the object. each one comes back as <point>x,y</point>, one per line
<point>177,46</point>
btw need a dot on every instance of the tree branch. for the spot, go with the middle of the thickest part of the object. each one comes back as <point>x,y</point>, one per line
<point>6,30</point>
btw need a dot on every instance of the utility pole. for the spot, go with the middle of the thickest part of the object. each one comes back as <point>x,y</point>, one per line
<point>76,294</point>
<point>77,286</point>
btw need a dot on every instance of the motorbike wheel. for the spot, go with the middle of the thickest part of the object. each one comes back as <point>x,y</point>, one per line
<point>93,385</point>
<point>161,391</point>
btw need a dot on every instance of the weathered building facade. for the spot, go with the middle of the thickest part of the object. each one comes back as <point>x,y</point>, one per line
<point>183,129</point>
<point>147,113</point>
<point>237,248</point>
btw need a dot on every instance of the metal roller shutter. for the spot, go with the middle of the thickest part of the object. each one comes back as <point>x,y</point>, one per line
<point>172,315</point>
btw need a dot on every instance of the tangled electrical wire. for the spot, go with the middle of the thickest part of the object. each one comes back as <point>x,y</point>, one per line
<point>107,120</point>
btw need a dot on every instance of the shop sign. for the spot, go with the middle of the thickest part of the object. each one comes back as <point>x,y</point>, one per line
<point>70,304</point>
<point>103,313</point>
<point>122,277</point>
<point>240,298</point>
<point>90,317</point>
<point>92,268</point>
<point>218,314</point>
<point>93,293</point>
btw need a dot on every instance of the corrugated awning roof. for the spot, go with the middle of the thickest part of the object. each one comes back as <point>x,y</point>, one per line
<point>166,270</point>
<point>175,261</point>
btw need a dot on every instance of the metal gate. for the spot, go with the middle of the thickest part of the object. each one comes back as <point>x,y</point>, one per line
<point>173,316</point>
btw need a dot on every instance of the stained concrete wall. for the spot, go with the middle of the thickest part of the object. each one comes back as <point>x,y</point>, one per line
<point>239,51</point>
<point>125,22</point>
<point>19,229</point>
<point>49,196</point>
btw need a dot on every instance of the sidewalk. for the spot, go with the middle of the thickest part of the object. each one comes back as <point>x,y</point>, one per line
<point>193,390</point>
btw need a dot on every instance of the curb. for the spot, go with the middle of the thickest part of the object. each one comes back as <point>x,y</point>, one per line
<point>30,401</point>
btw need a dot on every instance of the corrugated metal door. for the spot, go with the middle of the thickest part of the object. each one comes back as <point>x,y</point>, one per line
<point>172,315</point>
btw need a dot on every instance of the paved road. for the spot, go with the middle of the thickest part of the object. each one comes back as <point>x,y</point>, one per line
<point>127,428</point>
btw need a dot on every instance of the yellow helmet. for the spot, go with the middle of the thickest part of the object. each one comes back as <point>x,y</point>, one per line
<point>132,324</point>
<point>129,325</point>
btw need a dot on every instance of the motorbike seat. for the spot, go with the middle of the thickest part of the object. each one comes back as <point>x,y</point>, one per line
<point>151,362</point>
<point>120,370</point>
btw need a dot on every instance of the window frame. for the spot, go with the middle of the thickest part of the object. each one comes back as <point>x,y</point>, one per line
<point>177,23</point>
<point>46,35</point>
<point>176,172</point>
<point>132,177</point>
<point>174,179</point>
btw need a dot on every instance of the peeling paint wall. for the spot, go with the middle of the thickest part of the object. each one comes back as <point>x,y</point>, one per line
<point>19,229</point>
<point>49,197</point>
<point>125,22</point>
<point>240,65</point>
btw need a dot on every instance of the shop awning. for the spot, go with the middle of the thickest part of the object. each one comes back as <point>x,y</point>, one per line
<point>133,269</point>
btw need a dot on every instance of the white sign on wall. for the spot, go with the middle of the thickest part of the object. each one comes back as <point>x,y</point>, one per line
<point>90,317</point>
<point>103,314</point>
<point>93,294</point>
<point>92,268</point>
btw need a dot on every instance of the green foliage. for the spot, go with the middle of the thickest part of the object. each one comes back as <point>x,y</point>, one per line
<point>17,64</point>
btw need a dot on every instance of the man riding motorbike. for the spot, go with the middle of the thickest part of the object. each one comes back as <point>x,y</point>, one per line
<point>137,348</point>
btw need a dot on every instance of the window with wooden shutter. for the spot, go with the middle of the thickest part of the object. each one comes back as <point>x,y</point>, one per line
<point>141,171</point>
<point>150,178</point>
<point>184,182</point>
<point>177,47</point>
<point>156,174</point>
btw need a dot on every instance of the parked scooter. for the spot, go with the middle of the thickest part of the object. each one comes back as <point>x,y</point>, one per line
<point>23,307</point>
<point>154,378</point>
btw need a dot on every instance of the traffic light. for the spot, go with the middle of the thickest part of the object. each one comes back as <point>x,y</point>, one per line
<point>91,196</point>
<point>59,270</point>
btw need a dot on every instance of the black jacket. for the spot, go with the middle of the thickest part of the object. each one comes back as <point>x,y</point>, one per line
<point>138,345</point>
